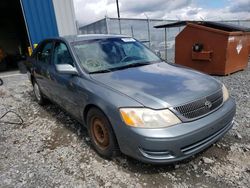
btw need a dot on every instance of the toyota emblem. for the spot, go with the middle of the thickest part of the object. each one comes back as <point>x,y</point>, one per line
<point>208,104</point>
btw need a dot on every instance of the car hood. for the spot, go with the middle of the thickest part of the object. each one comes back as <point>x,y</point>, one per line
<point>159,85</point>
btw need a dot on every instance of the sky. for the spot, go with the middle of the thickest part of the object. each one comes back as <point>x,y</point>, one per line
<point>88,11</point>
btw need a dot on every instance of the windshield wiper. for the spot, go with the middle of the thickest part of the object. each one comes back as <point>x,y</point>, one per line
<point>122,67</point>
<point>101,71</point>
<point>132,65</point>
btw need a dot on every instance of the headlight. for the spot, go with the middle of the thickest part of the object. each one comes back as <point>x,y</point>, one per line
<point>147,118</point>
<point>225,93</point>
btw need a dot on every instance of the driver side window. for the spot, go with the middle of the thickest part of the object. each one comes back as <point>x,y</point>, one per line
<point>62,54</point>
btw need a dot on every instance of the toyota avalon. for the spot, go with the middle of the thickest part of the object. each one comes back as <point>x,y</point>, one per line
<point>129,99</point>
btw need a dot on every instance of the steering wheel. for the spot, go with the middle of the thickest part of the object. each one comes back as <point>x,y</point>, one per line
<point>126,58</point>
<point>93,63</point>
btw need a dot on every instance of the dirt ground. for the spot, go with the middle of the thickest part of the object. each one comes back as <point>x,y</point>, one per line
<point>50,149</point>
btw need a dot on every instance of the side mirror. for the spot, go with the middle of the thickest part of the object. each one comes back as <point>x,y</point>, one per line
<point>66,69</point>
<point>158,53</point>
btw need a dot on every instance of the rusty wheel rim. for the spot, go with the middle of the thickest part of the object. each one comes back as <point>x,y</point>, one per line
<point>100,134</point>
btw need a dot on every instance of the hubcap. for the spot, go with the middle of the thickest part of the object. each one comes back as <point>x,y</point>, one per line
<point>37,92</point>
<point>100,133</point>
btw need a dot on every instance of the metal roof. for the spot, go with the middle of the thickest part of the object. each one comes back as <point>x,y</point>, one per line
<point>215,25</point>
<point>129,19</point>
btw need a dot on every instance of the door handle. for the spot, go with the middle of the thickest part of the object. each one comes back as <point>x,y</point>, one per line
<point>48,74</point>
<point>71,84</point>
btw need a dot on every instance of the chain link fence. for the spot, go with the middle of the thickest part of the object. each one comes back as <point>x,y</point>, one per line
<point>144,31</point>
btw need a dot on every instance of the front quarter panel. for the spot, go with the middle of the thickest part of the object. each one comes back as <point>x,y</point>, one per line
<point>109,101</point>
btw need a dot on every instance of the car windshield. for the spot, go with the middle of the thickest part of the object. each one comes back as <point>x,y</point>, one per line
<point>105,55</point>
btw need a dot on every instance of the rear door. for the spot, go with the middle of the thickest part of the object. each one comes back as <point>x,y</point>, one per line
<point>41,68</point>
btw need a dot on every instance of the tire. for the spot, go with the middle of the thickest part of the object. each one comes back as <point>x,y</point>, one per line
<point>38,94</point>
<point>101,134</point>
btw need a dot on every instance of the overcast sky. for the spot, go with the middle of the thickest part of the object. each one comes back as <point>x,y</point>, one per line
<point>88,11</point>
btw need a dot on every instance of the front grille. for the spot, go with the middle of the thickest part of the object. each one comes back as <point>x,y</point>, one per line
<point>200,107</point>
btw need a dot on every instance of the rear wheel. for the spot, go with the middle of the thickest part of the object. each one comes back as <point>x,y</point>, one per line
<point>101,134</point>
<point>38,94</point>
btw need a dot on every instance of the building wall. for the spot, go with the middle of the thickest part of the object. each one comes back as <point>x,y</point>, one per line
<point>40,19</point>
<point>48,18</point>
<point>98,27</point>
<point>65,17</point>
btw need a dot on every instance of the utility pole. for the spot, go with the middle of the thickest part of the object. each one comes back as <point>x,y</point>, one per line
<point>118,13</point>
<point>166,44</point>
<point>149,35</point>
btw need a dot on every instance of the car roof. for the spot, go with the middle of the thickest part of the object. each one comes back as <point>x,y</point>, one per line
<point>75,38</point>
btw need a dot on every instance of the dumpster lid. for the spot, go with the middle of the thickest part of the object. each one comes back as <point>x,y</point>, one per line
<point>215,25</point>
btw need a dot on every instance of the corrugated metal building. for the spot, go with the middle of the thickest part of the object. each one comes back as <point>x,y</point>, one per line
<point>65,17</point>
<point>48,18</point>
<point>141,29</point>
<point>158,40</point>
<point>24,23</point>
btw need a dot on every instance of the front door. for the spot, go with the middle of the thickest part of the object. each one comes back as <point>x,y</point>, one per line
<point>64,85</point>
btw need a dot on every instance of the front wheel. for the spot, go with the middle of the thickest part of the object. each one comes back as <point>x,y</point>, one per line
<point>101,134</point>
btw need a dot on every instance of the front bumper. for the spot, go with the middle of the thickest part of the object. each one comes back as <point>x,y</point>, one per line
<point>168,145</point>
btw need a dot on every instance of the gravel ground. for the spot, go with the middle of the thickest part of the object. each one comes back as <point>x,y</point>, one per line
<point>52,150</point>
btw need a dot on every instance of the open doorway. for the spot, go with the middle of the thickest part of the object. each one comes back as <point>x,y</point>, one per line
<point>14,40</point>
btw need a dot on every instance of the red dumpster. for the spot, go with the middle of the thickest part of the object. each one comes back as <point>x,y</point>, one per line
<point>212,47</point>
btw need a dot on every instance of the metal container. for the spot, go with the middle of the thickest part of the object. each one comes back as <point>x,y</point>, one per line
<point>212,48</point>
<point>248,42</point>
